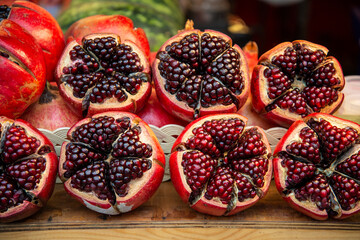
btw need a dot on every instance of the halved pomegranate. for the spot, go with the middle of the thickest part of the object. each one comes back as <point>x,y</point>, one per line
<point>103,73</point>
<point>116,24</point>
<point>317,166</point>
<point>295,79</point>
<point>22,69</point>
<point>28,169</point>
<point>219,166</point>
<point>113,162</point>
<point>200,73</point>
<point>41,25</point>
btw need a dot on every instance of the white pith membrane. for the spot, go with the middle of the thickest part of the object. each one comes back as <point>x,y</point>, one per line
<point>84,104</point>
<point>215,206</point>
<point>309,206</point>
<point>36,196</point>
<point>138,190</point>
<point>298,82</point>
<point>181,108</point>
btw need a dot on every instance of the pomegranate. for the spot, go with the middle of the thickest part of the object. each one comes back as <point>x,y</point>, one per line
<point>22,68</point>
<point>113,162</point>
<point>28,169</point>
<point>153,113</point>
<point>316,166</point>
<point>219,166</point>
<point>102,73</point>
<point>116,24</point>
<point>200,73</point>
<point>41,25</point>
<point>295,79</point>
<point>50,111</point>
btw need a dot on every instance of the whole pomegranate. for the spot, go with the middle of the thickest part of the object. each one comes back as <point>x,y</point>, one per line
<point>200,73</point>
<point>41,25</point>
<point>22,69</point>
<point>113,162</point>
<point>28,169</point>
<point>50,111</point>
<point>294,79</point>
<point>117,24</point>
<point>154,114</point>
<point>316,166</point>
<point>219,166</point>
<point>103,73</point>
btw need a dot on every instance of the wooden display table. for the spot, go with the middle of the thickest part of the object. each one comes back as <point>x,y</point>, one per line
<point>165,216</point>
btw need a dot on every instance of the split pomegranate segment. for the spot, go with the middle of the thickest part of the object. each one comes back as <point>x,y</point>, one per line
<point>316,166</point>
<point>219,166</point>
<point>28,169</point>
<point>103,73</point>
<point>38,22</point>
<point>113,162</point>
<point>22,69</point>
<point>200,73</point>
<point>293,80</point>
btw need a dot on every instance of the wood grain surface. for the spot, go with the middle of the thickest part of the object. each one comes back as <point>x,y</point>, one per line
<point>165,216</point>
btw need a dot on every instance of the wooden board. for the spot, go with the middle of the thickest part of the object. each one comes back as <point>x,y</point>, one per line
<point>166,216</point>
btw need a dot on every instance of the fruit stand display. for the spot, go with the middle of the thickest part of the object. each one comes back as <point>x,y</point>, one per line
<point>120,123</point>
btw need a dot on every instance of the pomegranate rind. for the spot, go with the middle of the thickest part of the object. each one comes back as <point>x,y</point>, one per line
<point>201,204</point>
<point>308,207</point>
<point>118,24</point>
<point>58,113</point>
<point>46,31</point>
<point>44,189</point>
<point>134,103</point>
<point>259,83</point>
<point>181,109</point>
<point>139,190</point>
<point>21,84</point>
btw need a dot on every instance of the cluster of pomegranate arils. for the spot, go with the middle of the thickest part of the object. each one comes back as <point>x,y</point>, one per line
<point>113,162</point>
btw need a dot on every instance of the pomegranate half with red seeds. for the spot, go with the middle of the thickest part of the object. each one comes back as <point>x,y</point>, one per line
<point>295,79</point>
<point>317,166</point>
<point>219,166</point>
<point>117,24</point>
<point>103,73</point>
<point>41,25</point>
<point>22,69</point>
<point>28,169</point>
<point>200,73</point>
<point>113,162</point>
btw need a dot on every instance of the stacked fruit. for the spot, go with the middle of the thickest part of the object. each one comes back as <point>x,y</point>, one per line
<point>220,164</point>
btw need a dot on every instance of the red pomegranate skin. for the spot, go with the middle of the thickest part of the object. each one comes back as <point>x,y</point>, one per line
<point>39,192</point>
<point>43,27</point>
<point>22,68</point>
<point>50,112</point>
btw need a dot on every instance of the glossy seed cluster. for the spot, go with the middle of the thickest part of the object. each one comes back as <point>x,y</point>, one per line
<point>224,161</point>
<point>300,80</point>
<point>103,69</point>
<point>22,164</point>
<point>105,155</point>
<point>317,168</point>
<point>202,70</point>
